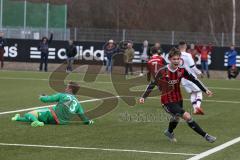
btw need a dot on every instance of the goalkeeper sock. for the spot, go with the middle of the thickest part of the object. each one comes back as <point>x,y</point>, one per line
<point>192,124</point>
<point>22,119</point>
<point>30,117</point>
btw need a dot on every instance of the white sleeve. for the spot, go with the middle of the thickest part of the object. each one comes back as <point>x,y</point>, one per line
<point>190,61</point>
<point>196,70</point>
<point>192,66</point>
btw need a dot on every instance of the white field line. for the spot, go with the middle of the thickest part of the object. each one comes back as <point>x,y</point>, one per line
<point>44,79</point>
<point>29,109</point>
<point>215,149</point>
<point>214,101</point>
<point>92,100</point>
<point>100,149</point>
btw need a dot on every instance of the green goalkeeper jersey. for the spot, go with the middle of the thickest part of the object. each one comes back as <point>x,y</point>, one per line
<point>66,108</point>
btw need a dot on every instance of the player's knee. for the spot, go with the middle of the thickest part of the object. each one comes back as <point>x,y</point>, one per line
<point>187,116</point>
<point>175,118</point>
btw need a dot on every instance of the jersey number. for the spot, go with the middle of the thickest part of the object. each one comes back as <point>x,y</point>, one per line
<point>155,64</point>
<point>73,106</point>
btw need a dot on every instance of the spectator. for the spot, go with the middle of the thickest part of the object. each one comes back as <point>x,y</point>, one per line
<point>232,60</point>
<point>71,52</point>
<point>2,51</point>
<point>144,55</point>
<point>204,52</point>
<point>128,58</point>
<point>43,47</point>
<point>110,48</point>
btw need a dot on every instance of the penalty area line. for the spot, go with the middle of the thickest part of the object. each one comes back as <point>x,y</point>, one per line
<point>100,149</point>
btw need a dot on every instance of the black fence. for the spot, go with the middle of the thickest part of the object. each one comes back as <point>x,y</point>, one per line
<point>89,52</point>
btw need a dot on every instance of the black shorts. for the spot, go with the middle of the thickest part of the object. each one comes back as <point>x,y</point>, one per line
<point>175,109</point>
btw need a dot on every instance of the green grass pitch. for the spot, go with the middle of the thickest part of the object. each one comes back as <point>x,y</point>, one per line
<point>138,128</point>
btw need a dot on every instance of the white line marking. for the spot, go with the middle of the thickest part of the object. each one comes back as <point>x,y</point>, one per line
<point>215,149</point>
<point>92,100</point>
<point>29,109</point>
<point>42,79</point>
<point>220,88</point>
<point>101,149</point>
<point>215,101</point>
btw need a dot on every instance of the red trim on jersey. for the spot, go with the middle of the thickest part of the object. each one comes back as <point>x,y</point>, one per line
<point>54,115</point>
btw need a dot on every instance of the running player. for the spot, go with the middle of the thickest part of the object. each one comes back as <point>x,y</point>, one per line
<point>67,106</point>
<point>194,91</point>
<point>172,101</point>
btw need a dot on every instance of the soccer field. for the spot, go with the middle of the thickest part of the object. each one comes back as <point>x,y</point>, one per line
<point>125,133</point>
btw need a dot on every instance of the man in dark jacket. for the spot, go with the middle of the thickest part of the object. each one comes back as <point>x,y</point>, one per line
<point>43,47</point>
<point>2,51</point>
<point>71,52</point>
<point>110,48</point>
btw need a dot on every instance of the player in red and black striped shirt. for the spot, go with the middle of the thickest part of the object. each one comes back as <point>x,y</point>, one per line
<point>172,100</point>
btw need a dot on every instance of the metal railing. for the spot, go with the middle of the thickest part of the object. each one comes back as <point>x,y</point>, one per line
<point>36,33</point>
<point>137,36</point>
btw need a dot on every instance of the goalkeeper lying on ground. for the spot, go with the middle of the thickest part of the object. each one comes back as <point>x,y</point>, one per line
<point>67,106</point>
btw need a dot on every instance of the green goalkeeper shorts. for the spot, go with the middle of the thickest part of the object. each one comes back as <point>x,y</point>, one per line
<point>45,116</point>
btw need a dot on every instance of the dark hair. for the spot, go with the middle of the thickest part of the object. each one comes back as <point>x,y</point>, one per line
<point>156,50</point>
<point>44,38</point>
<point>182,43</point>
<point>74,86</point>
<point>174,52</point>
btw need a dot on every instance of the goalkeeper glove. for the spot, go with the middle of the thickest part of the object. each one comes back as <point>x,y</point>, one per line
<point>89,122</point>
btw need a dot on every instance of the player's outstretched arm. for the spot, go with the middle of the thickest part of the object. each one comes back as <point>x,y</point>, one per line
<point>51,98</point>
<point>148,90</point>
<point>83,117</point>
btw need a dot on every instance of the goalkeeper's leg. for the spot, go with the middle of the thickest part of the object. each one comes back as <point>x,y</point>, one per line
<point>29,117</point>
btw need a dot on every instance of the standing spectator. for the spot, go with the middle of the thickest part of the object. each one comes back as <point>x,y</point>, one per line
<point>204,51</point>
<point>128,58</point>
<point>232,59</point>
<point>2,51</point>
<point>43,47</point>
<point>110,48</point>
<point>71,52</point>
<point>144,55</point>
